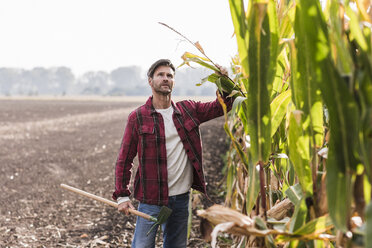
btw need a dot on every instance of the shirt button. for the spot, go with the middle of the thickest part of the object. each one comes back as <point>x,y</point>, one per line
<point>187,150</point>
<point>178,129</point>
<point>194,160</point>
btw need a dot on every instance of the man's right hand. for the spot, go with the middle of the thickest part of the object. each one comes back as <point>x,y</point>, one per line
<point>124,207</point>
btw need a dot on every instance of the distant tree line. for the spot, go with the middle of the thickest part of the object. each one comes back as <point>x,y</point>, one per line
<point>129,81</point>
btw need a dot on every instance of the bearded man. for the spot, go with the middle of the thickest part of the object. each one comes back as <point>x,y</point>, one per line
<point>166,137</point>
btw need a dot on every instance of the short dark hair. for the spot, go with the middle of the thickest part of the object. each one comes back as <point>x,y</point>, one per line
<point>160,62</point>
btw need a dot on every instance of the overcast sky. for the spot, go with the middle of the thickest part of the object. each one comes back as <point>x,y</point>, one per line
<point>106,34</point>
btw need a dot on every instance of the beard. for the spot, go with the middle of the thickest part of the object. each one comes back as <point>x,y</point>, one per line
<point>163,88</point>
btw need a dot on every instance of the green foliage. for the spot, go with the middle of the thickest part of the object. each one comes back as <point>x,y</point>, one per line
<point>302,83</point>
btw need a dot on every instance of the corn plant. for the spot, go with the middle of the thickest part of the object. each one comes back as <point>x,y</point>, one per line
<point>301,123</point>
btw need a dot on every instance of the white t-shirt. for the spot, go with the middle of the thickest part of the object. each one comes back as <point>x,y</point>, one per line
<point>179,168</point>
<point>180,171</point>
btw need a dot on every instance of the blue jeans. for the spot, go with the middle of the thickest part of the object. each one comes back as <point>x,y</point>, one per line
<point>175,228</point>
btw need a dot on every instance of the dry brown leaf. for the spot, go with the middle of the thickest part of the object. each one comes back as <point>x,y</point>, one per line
<point>197,44</point>
<point>218,214</point>
<point>281,209</point>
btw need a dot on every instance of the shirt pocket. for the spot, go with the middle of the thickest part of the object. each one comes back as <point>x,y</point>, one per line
<point>147,137</point>
<point>147,129</point>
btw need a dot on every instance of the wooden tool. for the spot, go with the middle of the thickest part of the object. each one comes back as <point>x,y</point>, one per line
<point>160,219</point>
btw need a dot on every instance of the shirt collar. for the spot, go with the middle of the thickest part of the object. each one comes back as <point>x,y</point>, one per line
<point>153,111</point>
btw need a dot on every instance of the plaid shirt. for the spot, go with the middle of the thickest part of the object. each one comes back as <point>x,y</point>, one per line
<point>145,135</point>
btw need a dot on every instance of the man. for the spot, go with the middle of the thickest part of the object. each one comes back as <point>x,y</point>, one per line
<point>167,139</point>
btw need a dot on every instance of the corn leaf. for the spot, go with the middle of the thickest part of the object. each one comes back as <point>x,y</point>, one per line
<point>278,109</point>
<point>299,216</point>
<point>307,96</point>
<point>238,103</point>
<point>343,113</point>
<point>261,225</point>
<point>299,152</point>
<point>274,39</point>
<point>294,194</point>
<point>259,127</point>
<point>341,54</point>
<point>253,187</point>
<point>200,62</point>
<point>368,235</point>
<point>355,30</point>
<point>310,230</point>
<point>315,227</point>
<point>241,27</point>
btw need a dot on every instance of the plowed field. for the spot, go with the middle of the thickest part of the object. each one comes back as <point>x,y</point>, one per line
<point>44,143</point>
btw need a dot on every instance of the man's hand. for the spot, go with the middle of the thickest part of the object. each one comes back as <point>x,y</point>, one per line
<point>222,72</point>
<point>124,207</point>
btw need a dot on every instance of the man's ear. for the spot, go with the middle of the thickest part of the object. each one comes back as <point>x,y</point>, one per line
<point>150,81</point>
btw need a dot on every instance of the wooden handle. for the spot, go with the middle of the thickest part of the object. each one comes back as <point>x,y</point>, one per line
<point>101,199</point>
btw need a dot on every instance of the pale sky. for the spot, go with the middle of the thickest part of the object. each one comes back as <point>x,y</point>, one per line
<point>105,34</point>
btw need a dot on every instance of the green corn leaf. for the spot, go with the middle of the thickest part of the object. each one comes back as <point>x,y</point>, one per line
<point>279,81</point>
<point>240,25</point>
<point>368,235</point>
<point>230,178</point>
<point>199,61</point>
<point>299,152</point>
<point>261,225</point>
<point>259,127</point>
<point>341,54</point>
<point>211,78</point>
<point>253,187</point>
<point>243,115</point>
<point>294,194</point>
<point>343,113</point>
<point>320,244</point>
<point>299,216</point>
<point>307,96</point>
<point>278,110</point>
<point>287,19</point>
<point>223,83</point>
<point>237,146</point>
<point>227,85</point>
<point>341,161</point>
<point>238,103</point>
<point>365,94</point>
<point>367,190</point>
<point>310,230</point>
<point>315,227</point>
<point>274,40</point>
<point>218,84</point>
<point>355,30</point>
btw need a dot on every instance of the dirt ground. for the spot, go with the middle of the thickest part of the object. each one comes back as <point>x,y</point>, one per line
<point>48,142</point>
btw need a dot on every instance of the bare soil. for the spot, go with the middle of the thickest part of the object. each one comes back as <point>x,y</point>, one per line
<point>44,143</point>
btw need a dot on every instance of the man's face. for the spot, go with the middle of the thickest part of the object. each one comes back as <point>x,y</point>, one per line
<point>162,81</point>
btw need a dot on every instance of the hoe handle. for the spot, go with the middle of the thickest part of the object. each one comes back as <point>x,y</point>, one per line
<point>108,202</point>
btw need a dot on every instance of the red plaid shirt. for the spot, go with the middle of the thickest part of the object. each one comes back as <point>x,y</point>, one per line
<point>145,135</point>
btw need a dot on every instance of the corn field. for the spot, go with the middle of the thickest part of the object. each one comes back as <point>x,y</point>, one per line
<point>299,170</point>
